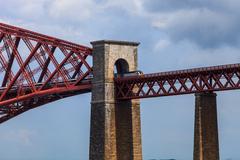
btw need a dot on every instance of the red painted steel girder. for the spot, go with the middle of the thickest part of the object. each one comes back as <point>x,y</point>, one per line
<point>208,79</point>
<point>36,69</point>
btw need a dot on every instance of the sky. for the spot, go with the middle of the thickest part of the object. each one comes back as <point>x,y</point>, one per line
<point>173,34</point>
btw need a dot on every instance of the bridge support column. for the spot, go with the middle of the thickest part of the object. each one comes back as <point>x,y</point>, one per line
<point>115,125</point>
<point>206,128</point>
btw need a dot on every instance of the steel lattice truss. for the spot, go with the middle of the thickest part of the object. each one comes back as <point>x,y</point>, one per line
<point>218,78</point>
<point>36,69</point>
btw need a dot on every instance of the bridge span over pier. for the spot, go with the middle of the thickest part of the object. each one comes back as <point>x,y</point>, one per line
<point>37,69</point>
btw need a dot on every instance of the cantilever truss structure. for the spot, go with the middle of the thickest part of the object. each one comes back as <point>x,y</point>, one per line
<point>36,69</point>
<point>208,79</point>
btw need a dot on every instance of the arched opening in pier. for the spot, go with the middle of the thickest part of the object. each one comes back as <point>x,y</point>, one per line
<point>121,66</point>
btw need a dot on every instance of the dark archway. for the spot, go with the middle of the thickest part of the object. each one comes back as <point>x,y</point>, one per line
<point>121,66</point>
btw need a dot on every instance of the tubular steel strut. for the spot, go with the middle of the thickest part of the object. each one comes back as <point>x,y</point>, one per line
<point>36,69</point>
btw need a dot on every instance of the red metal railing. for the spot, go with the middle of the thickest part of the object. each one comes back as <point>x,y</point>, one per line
<point>208,79</point>
<point>36,69</point>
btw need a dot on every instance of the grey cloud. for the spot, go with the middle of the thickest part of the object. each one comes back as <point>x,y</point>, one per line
<point>209,24</point>
<point>174,5</point>
<point>209,30</point>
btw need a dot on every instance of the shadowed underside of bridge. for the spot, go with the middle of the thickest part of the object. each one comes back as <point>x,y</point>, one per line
<point>36,69</point>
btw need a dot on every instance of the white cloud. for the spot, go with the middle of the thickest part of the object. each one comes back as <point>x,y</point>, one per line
<point>21,137</point>
<point>133,7</point>
<point>31,9</point>
<point>73,10</point>
<point>162,44</point>
<point>43,10</point>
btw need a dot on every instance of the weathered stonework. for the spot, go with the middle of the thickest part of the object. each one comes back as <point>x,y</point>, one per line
<point>115,126</point>
<point>206,145</point>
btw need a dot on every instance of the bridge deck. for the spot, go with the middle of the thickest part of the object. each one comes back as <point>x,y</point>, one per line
<point>206,79</point>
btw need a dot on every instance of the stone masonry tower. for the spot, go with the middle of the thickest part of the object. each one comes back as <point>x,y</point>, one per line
<point>206,145</point>
<point>115,125</point>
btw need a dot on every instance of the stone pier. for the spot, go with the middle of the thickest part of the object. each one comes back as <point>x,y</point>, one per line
<point>115,125</point>
<point>206,145</point>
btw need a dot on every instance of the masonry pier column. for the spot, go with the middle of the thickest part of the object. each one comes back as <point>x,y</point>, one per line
<point>206,127</point>
<point>115,125</point>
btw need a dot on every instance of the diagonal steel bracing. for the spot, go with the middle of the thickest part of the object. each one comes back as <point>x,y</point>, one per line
<point>207,79</point>
<point>36,69</point>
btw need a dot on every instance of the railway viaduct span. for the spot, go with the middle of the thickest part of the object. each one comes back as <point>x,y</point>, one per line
<point>36,69</point>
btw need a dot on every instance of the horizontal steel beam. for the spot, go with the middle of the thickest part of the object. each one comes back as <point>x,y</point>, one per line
<point>44,39</point>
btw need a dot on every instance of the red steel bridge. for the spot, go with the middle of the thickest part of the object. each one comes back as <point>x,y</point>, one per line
<point>36,69</point>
